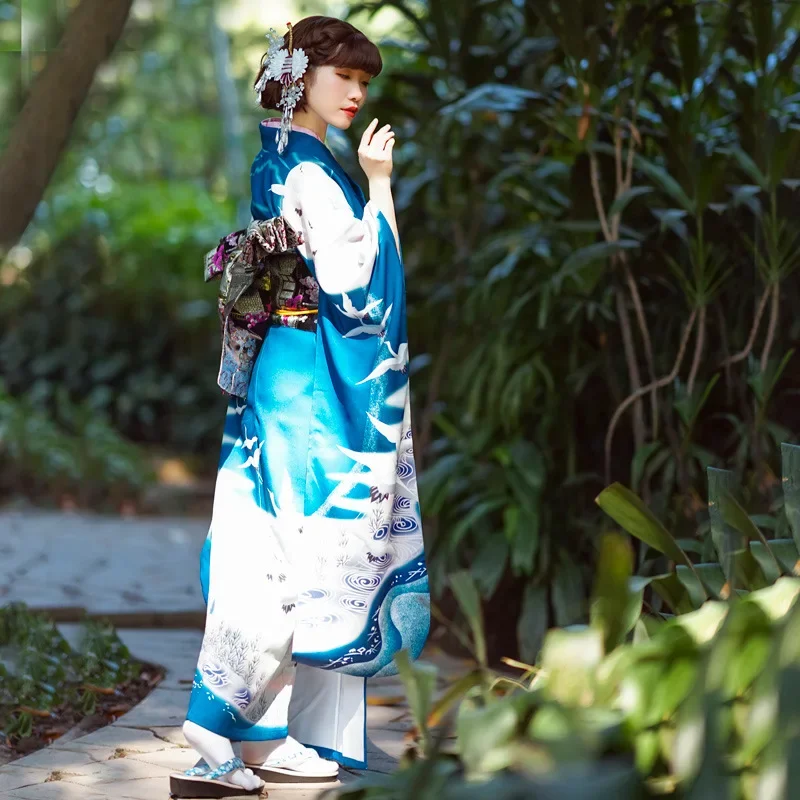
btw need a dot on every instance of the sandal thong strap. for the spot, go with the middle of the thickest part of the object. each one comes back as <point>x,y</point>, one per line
<point>212,774</point>
<point>195,772</point>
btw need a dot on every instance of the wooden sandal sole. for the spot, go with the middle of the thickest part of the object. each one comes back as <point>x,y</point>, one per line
<point>187,787</point>
<point>285,776</point>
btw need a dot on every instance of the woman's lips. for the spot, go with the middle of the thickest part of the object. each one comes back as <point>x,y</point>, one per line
<point>350,112</point>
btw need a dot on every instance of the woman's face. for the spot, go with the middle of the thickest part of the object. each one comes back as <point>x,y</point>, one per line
<point>337,94</point>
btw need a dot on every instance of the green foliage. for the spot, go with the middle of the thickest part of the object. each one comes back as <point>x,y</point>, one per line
<point>40,672</point>
<point>74,452</point>
<point>601,284</point>
<point>694,706</point>
<point>744,557</point>
<point>598,207</point>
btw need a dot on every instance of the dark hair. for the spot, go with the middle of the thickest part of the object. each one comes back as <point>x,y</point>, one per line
<point>326,41</point>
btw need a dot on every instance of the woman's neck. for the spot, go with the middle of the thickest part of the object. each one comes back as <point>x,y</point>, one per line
<point>313,121</point>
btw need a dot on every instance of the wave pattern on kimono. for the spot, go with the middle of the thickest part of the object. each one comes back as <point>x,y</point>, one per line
<point>314,569</point>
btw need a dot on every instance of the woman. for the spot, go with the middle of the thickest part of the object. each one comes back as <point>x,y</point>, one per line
<point>313,569</point>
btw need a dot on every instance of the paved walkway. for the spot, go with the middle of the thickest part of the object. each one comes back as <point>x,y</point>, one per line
<point>136,570</point>
<point>133,757</point>
<point>131,568</point>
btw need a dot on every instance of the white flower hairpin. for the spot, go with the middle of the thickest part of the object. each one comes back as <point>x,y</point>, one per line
<point>287,66</point>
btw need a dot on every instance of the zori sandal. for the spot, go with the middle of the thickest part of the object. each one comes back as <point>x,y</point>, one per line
<point>204,782</point>
<point>301,766</point>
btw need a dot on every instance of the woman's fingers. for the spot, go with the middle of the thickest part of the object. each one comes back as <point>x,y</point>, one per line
<point>371,134</point>
<point>367,135</point>
<point>380,138</point>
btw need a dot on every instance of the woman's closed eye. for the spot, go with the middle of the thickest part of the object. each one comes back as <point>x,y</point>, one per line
<point>347,78</point>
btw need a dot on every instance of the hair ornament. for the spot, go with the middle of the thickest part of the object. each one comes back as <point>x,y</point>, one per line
<point>287,66</point>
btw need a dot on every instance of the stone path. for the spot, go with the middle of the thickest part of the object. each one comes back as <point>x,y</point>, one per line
<point>131,569</point>
<point>141,572</point>
<point>133,757</point>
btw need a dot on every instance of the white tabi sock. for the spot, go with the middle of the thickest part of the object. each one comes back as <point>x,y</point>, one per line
<point>216,750</point>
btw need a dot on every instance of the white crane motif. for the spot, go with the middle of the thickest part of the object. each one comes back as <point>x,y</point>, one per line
<point>372,330</point>
<point>397,362</point>
<point>351,311</point>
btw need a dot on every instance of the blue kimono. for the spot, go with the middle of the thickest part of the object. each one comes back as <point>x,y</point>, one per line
<point>314,569</point>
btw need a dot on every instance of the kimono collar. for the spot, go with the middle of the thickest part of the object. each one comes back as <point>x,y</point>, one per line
<point>275,122</point>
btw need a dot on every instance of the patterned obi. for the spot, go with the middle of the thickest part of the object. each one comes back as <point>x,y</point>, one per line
<point>263,281</point>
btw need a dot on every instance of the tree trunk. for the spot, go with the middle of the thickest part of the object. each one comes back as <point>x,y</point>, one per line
<point>44,125</point>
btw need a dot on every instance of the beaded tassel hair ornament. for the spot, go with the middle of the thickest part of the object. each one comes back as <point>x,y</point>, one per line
<point>287,66</point>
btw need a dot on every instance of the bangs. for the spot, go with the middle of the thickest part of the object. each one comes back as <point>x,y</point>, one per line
<point>357,52</point>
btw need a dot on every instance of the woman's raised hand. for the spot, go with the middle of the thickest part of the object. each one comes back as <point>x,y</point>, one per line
<point>375,151</point>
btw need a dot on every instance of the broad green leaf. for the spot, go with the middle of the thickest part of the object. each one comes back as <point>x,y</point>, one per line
<point>694,586</point>
<point>621,202</point>
<point>640,459</point>
<point>734,515</point>
<point>785,552</point>
<point>727,540</point>
<point>673,593</point>
<point>525,543</point>
<point>703,624</point>
<point>713,578</point>
<point>612,594</point>
<point>628,511</point>
<point>491,97</point>
<point>658,175</point>
<point>676,683</point>
<point>778,599</point>
<point>748,575</point>
<point>489,564</point>
<point>766,560</point>
<point>646,750</point>
<point>453,696</point>
<point>469,602</point>
<point>568,593</point>
<point>790,456</point>
<point>672,219</point>
<point>569,658</point>
<point>586,255</point>
<point>533,622</point>
<point>482,730</point>
<point>601,779</point>
<point>419,680</point>
<point>749,166</point>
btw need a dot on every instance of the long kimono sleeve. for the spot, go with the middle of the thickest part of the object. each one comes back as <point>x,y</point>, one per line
<point>342,246</point>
